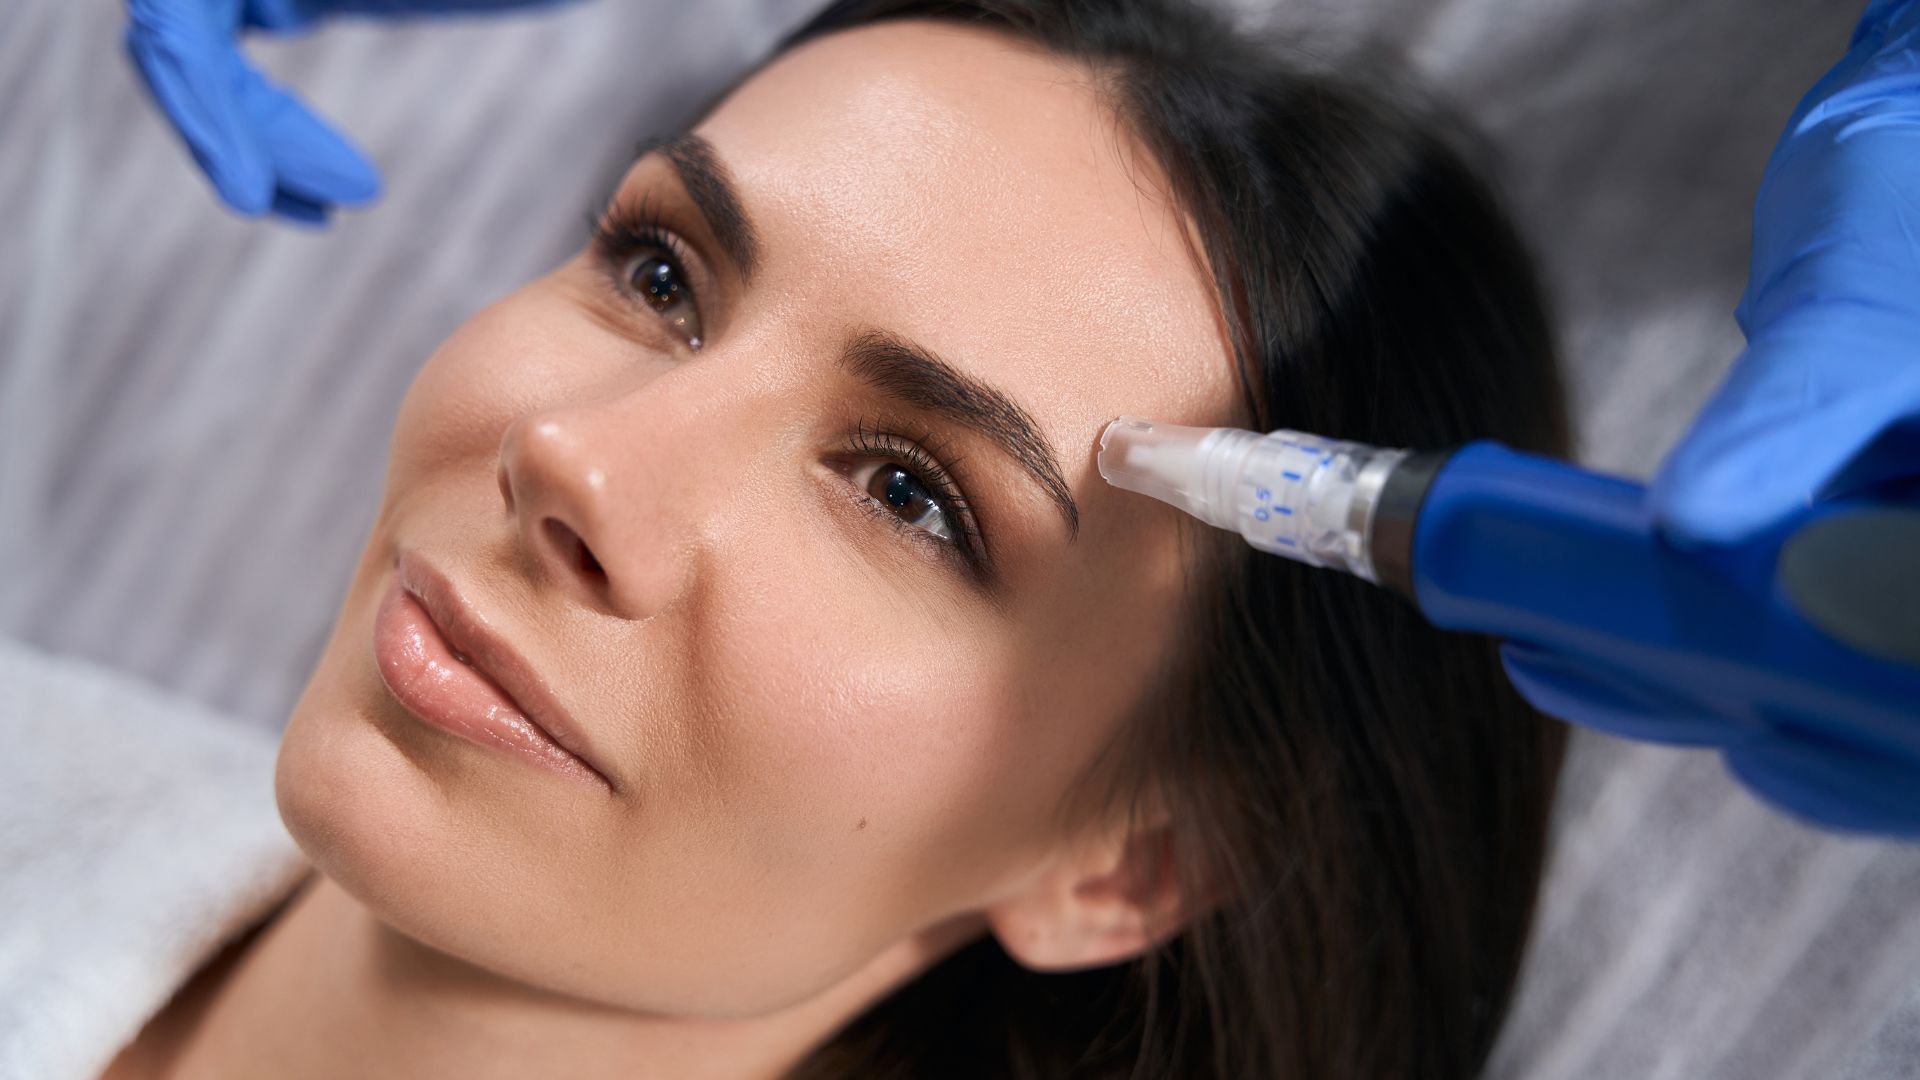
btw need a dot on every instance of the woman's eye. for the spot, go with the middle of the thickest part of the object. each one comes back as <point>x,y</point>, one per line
<point>903,495</point>
<point>656,279</point>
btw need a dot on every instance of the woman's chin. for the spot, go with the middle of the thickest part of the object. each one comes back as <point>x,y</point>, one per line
<point>350,796</point>
<point>444,842</point>
<point>378,825</point>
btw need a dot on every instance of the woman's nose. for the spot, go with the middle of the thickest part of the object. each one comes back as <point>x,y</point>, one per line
<point>558,481</point>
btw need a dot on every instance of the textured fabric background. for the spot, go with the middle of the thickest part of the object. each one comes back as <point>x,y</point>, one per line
<point>194,409</point>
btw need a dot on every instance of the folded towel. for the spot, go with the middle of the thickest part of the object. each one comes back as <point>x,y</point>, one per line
<point>138,834</point>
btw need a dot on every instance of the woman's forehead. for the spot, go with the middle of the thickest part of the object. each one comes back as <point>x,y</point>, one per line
<point>962,188</point>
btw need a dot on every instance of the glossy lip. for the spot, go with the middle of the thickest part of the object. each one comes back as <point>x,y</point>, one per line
<point>471,639</point>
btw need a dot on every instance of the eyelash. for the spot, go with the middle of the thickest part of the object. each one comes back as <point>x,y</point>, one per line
<point>873,444</point>
<point>624,230</point>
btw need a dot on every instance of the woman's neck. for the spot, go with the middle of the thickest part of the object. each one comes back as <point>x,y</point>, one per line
<point>325,990</point>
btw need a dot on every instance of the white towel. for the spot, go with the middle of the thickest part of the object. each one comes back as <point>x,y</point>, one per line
<point>138,834</point>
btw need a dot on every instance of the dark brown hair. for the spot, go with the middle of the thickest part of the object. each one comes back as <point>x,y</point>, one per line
<point>1365,796</point>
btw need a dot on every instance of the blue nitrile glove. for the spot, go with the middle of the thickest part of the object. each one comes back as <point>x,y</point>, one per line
<point>259,144</point>
<point>1825,401</point>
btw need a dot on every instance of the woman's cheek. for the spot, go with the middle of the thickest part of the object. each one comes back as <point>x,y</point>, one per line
<point>858,732</point>
<point>823,680</point>
<point>469,389</point>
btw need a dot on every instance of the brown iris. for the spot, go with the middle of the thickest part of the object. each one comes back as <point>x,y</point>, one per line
<point>663,287</point>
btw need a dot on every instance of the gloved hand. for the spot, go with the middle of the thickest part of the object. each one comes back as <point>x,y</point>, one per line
<point>1824,401</point>
<point>262,148</point>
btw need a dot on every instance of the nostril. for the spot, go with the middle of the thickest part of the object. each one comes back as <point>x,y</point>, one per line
<point>574,549</point>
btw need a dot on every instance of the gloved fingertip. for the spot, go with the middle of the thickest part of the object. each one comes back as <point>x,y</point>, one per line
<point>339,179</point>
<point>352,180</point>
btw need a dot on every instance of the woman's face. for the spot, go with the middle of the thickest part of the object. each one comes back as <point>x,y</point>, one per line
<point>779,503</point>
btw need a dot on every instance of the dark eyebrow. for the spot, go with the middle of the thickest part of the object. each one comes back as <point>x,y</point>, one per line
<point>711,186</point>
<point>901,369</point>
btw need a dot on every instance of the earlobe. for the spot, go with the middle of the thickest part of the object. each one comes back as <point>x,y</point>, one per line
<point>1099,906</point>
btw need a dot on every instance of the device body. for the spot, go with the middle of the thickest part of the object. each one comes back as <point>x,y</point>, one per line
<point>1815,624</point>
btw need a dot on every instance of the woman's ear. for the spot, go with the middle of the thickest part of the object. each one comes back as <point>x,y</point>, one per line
<point>1097,904</point>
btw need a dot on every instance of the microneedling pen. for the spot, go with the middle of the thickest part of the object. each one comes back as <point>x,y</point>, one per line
<point>1292,494</point>
<point>1817,619</point>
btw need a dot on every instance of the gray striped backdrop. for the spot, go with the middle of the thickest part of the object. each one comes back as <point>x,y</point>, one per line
<point>193,409</point>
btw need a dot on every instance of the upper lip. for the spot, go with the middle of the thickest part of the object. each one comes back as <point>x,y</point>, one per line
<point>468,634</point>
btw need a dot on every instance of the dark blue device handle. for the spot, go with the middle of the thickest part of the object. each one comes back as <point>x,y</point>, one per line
<point>1814,626</point>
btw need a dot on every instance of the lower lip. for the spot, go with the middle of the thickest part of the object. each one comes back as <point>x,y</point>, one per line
<point>419,667</point>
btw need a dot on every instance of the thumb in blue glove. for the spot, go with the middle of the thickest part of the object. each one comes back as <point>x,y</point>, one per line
<point>263,149</point>
<point>1826,398</point>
